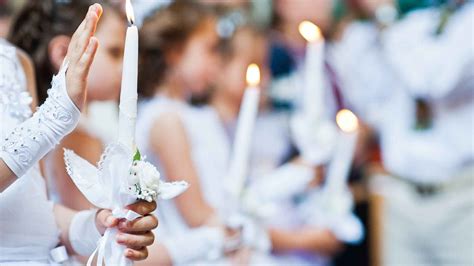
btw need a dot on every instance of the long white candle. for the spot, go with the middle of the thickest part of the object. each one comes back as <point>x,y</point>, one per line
<point>128,93</point>
<point>313,90</point>
<point>339,167</point>
<point>243,137</point>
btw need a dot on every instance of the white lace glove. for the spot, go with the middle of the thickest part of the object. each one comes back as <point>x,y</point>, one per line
<point>27,143</point>
<point>83,233</point>
<point>205,243</point>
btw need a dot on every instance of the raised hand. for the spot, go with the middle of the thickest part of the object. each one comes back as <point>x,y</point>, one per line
<point>80,54</point>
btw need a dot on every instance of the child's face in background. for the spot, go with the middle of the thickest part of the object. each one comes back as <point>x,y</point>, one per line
<point>106,70</point>
<point>295,11</point>
<point>247,49</point>
<point>198,60</point>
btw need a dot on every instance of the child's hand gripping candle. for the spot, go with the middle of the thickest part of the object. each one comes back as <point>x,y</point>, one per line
<point>243,136</point>
<point>333,207</point>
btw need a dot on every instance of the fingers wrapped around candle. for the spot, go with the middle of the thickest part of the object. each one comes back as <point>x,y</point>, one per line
<point>140,225</point>
<point>142,207</point>
<point>136,255</point>
<point>136,241</point>
<point>80,54</point>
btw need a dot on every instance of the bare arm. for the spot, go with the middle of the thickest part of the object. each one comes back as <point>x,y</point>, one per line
<point>305,239</point>
<point>158,255</point>
<point>170,143</point>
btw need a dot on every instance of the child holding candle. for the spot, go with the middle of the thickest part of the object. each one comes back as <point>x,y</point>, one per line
<point>44,32</point>
<point>271,143</point>
<point>178,59</point>
<point>32,227</point>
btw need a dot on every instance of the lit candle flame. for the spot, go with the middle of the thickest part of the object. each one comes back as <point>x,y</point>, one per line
<point>347,121</point>
<point>129,12</point>
<point>310,31</point>
<point>253,75</point>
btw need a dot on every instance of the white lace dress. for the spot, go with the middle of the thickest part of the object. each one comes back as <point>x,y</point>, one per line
<point>28,230</point>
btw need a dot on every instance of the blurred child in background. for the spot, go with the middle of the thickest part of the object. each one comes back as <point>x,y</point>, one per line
<point>178,60</point>
<point>44,30</point>
<point>292,241</point>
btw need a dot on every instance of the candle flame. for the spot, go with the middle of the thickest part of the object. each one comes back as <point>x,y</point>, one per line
<point>347,121</point>
<point>253,75</point>
<point>129,12</point>
<point>310,31</point>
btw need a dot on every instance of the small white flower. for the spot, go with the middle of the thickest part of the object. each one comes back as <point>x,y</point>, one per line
<point>149,177</point>
<point>144,180</point>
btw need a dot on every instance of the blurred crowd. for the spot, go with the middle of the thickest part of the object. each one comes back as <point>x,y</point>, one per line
<point>405,68</point>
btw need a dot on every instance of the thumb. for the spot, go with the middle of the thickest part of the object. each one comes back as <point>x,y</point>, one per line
<point>104,220</point>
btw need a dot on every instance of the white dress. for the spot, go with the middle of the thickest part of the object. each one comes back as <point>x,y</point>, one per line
<point>28,231</point>
<point>209,152</point>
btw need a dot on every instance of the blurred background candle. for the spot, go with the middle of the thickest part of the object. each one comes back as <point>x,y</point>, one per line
<point>243,136</point>
<point>340,164</point>
<point>128,93</point>
<point>313,69</point>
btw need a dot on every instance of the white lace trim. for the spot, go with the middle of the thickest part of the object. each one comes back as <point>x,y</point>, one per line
<point>14,100</point>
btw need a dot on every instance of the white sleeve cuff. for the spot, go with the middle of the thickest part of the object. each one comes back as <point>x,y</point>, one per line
<point>83,233</point>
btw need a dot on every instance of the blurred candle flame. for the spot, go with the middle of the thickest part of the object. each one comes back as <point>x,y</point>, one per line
<point>310,31</point>
<point>253,75</point>
<point>347,121</point>
<point>129,12</point>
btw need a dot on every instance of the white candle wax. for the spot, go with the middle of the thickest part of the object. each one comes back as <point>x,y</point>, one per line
<point>313,90</point>
<point>239,159</point>
<point>128,93</point>
<point>314,82</point>
<point>339,167</point>
<point>243,139</point>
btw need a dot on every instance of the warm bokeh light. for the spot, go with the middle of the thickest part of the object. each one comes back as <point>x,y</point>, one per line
<point>129,11</point>
<point>310,31</point>
<point>253,75</point>
<point>347,121</point>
